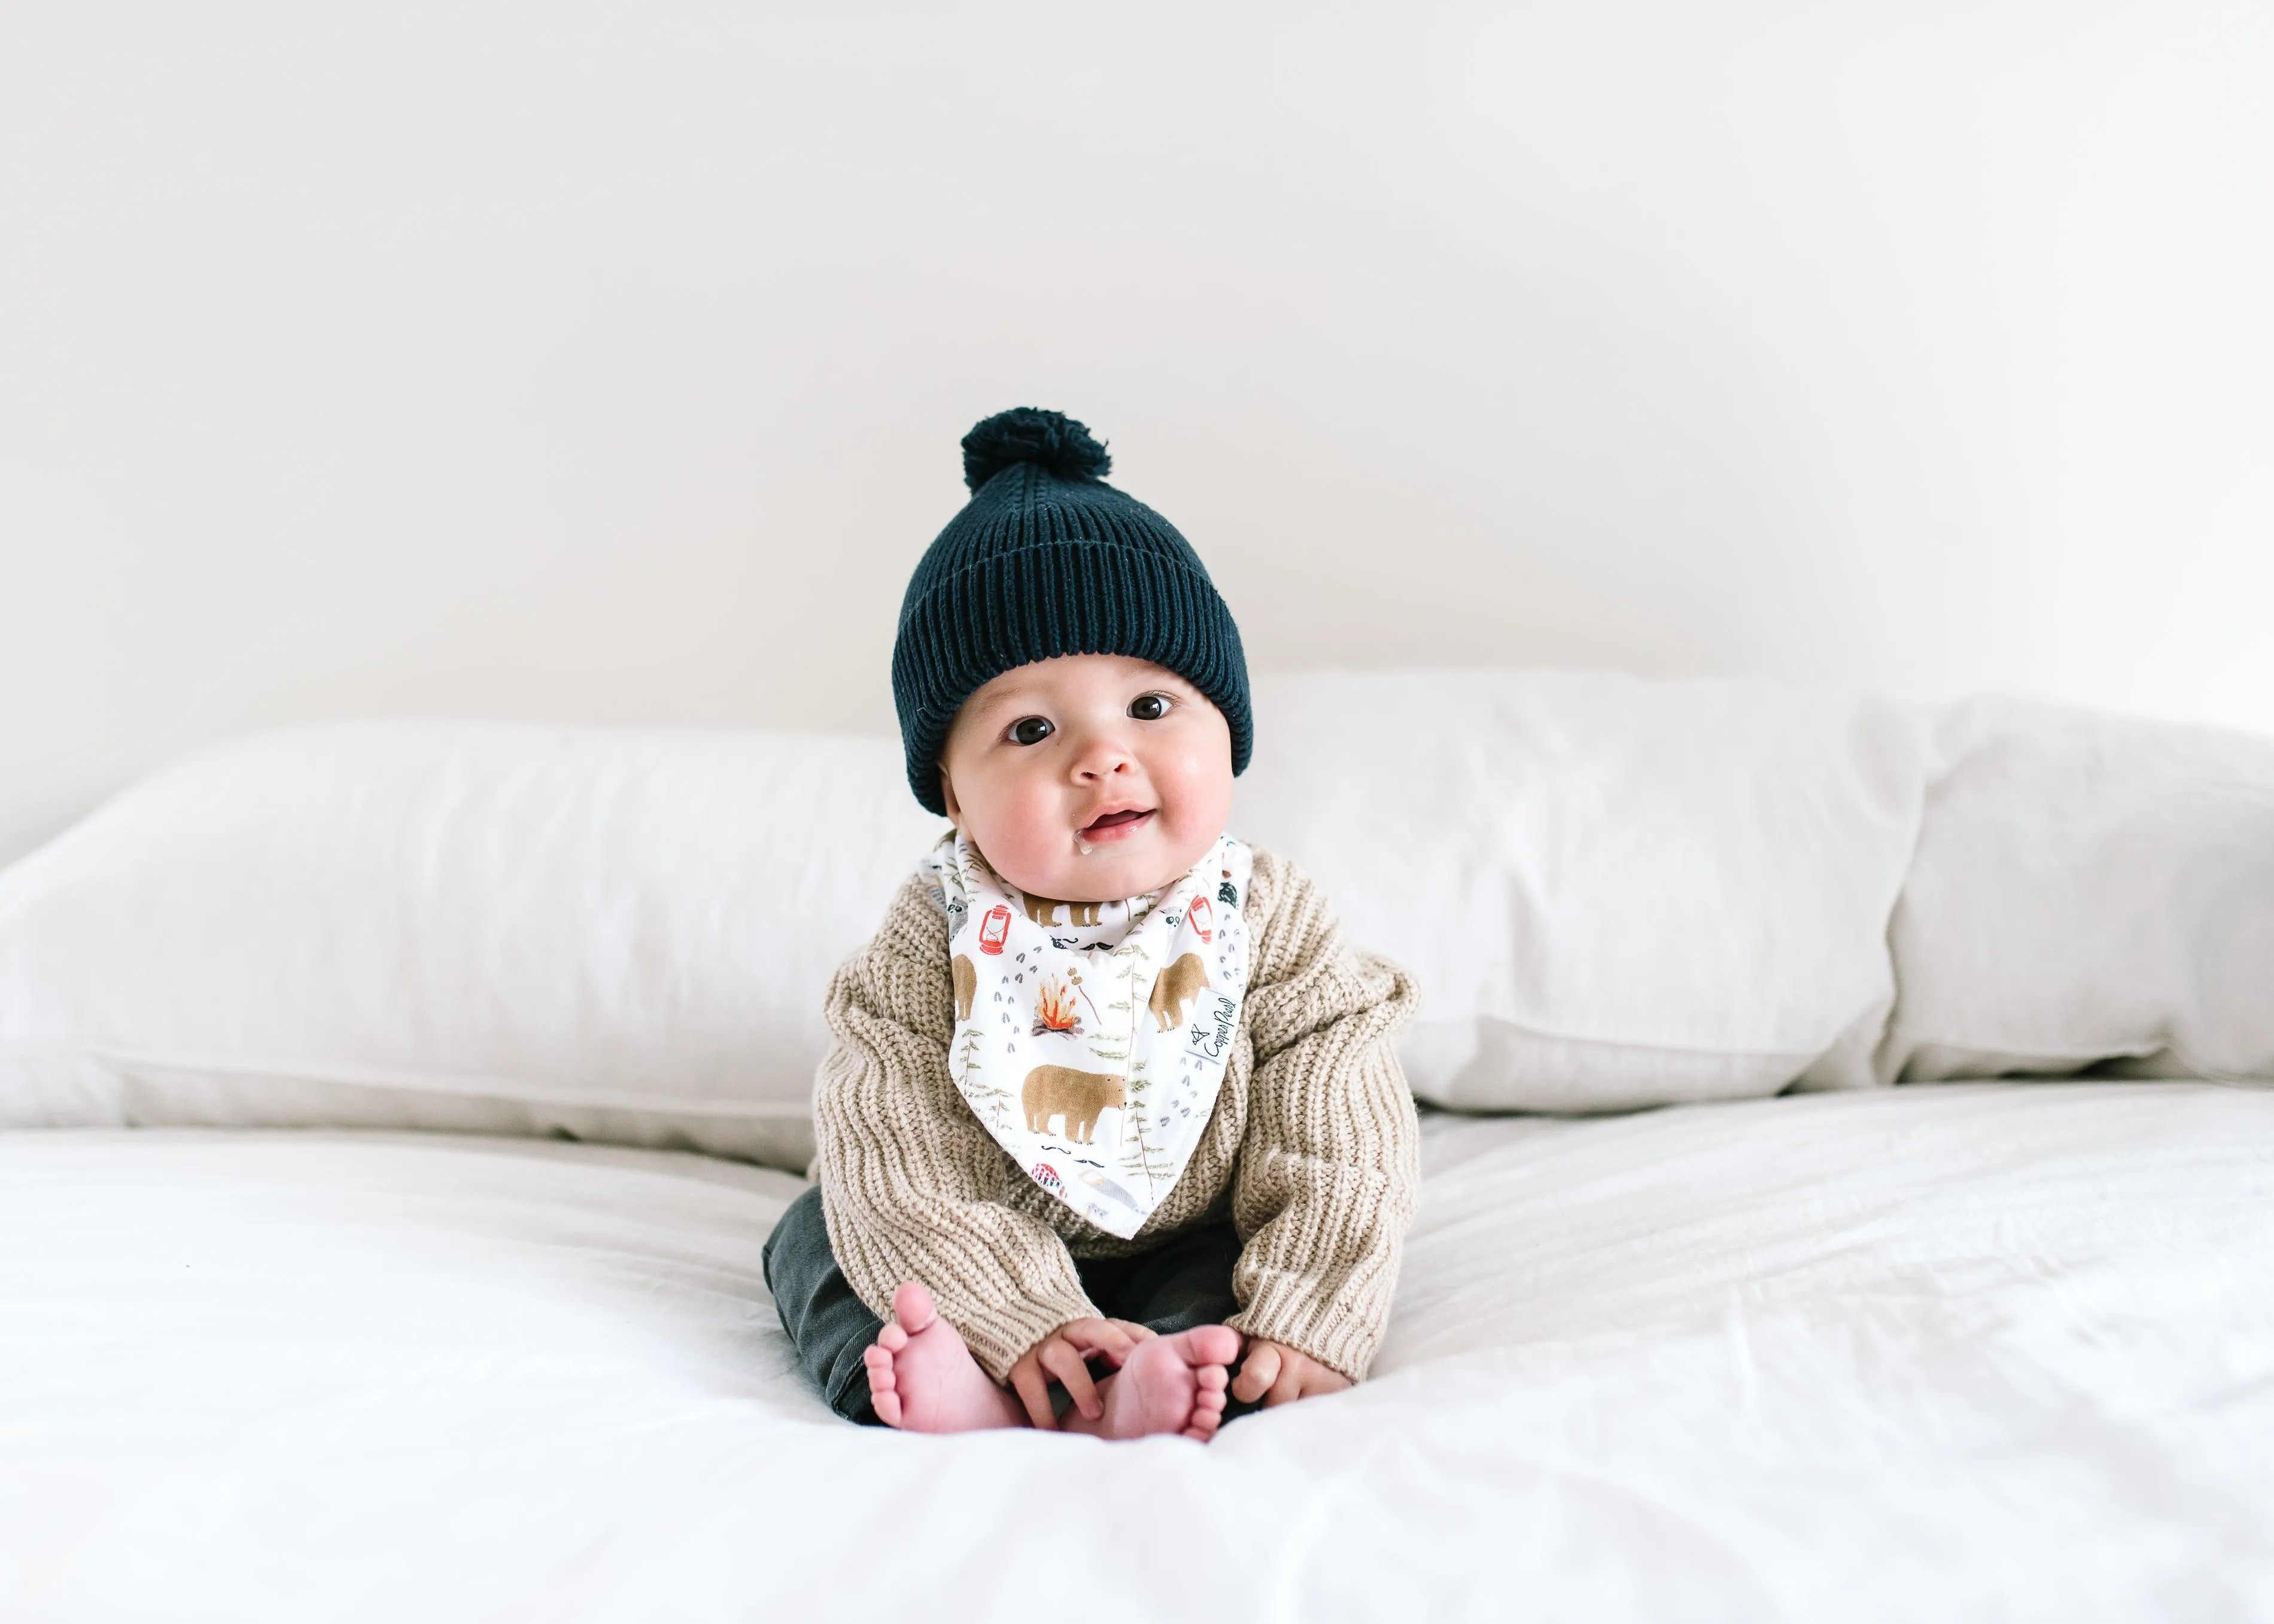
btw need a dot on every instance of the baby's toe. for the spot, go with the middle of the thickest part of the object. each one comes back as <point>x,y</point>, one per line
<point>883,1385</point>
<point>912,1307</point>
<point>1213,1344</point>
<point>1213,1379</point>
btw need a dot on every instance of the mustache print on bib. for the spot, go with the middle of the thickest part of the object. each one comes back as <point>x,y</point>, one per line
<point>1091,1037</point>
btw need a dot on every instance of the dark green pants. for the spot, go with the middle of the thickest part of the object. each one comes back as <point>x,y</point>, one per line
<point>1185,1282</point>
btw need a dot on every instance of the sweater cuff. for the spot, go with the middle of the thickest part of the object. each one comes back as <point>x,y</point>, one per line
<point>1000,1330</point>
<point>1340,1331</point>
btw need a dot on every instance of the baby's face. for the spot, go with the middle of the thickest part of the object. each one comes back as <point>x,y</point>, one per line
<point>1089,778</point>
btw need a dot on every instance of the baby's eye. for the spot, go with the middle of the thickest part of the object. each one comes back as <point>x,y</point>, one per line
<point>1031,730</point>
<point>1149,707</point>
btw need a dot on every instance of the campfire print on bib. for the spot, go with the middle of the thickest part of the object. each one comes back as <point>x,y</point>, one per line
<point>1091,1037</point>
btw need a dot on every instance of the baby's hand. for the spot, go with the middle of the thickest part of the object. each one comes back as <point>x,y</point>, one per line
<point>1282,1373</point>
<point>1064,1353</point>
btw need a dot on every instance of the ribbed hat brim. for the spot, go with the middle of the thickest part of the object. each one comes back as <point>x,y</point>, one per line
<point>1074,596</point>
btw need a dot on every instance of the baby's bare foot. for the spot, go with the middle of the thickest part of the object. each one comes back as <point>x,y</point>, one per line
<point>922,1379</point>
<point>1170,1384</point>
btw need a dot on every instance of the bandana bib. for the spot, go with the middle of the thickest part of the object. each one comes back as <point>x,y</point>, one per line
<point>1091,1037</point>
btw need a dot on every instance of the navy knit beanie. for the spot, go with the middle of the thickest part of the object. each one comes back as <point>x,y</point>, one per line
<point>1046,558</point>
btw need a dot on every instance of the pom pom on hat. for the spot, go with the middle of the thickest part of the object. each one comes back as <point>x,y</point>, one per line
<point>1028,434</point>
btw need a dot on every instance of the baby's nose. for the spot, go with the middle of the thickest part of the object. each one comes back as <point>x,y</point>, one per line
<point>1101,756</point>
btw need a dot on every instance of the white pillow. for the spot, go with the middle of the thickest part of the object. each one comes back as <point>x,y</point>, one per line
<point>618,935</point>
<point>1615,892</point>
<point>2088,888</point>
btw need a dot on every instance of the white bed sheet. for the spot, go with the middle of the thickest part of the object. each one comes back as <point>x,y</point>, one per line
<point>1996,1351</point>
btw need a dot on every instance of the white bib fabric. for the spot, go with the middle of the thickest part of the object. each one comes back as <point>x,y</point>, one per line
<point>1091,1037</point>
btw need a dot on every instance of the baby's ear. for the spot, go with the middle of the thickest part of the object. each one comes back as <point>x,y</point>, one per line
<point>947,796</point>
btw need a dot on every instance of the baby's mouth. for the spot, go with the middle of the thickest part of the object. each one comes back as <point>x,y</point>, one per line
<point>1114,825</point>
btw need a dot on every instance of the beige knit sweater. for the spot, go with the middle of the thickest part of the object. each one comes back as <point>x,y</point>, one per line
<point>1312,1151</point>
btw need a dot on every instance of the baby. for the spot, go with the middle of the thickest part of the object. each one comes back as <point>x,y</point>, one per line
<point>1111,1129</point>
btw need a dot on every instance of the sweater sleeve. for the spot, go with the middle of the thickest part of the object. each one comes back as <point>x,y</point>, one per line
<point>1330,1163</point>
<point>911,1179</point>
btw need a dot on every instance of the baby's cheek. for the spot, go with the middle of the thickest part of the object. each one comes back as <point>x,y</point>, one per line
<point>1196,792</point>
<point>1027,834</point>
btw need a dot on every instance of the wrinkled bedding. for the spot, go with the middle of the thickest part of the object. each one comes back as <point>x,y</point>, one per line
<point>1979,1351</point>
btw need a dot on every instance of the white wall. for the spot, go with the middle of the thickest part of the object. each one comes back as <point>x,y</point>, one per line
<point>606,362</point>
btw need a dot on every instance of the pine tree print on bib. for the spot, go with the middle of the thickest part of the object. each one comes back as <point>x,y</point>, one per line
<point>1091,1037</point>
